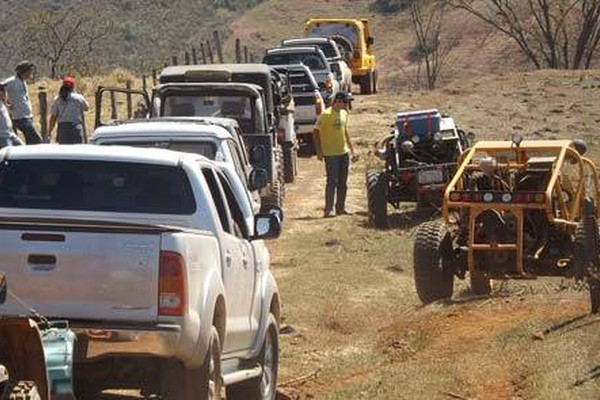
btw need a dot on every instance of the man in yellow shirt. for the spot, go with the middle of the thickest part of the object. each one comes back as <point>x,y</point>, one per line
<point>332,142</point>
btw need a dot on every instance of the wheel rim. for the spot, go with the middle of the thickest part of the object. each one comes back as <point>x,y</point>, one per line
<point>214,374</point>
<point>268,376</point>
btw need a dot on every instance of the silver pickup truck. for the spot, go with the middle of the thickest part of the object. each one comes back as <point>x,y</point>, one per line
<point>147,254</point>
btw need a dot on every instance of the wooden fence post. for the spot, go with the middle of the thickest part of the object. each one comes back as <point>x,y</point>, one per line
<point>203,53</point>
<point>174,60</point>
<point>43,98</point>
<point>187,58</point>
<point>194,58</point>
<point>245,54</point>
<point>238,51</point>
<point>153,77</point>
<point>113,106</point>
<point>218,46</point>
<point>129,103</point>
<point>210,53</point>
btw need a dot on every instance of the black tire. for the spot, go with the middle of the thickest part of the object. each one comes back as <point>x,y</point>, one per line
<point>23,390</point>
<point>377,199</point>
<point>264,388</point>
<point>433,279</point>
<point>586,253</point>
<point>374,82</point>
<point>277,187</point>
<point>290,159</point>
<point>366,83</point>
<point>183,383</point>
<point>480,283</point>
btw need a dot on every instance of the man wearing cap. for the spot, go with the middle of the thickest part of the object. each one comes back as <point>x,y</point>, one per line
<point>20,105</point>
<point>332,142</point>
<point>67,109</point>
<point>7,134</point>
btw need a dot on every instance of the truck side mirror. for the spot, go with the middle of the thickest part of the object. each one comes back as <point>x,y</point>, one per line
<point>273,210</point>
<point>370,41</point>
<point>257,179</point>
<point>3,288</point>
<point>266,226</point>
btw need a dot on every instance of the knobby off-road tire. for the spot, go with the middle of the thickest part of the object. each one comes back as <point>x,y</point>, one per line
<point>377,199</point>
<point>277,187</point>
<point>22,390</point>
<point>264,388</point>
<point>433,280</point>
<point>366,83</point>
<point>374,82</point>
<point>290,162</point>
<point>586,252</point>
<point>198,383</point>
<point>480,283</point>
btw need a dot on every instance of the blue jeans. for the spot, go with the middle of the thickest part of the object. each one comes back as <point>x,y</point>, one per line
<point>25,125</point>
<point>336,168</point>
<point>69,133</point>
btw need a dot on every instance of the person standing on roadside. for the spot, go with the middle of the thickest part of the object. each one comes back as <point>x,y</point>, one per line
<point>7,134</point>
<point>332,142</point>
<point>67,109</point>
<point>19,103</point>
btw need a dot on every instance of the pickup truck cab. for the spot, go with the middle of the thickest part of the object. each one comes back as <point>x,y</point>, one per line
<point>149,246</point>
<point>307,98</point>
<point>330,48</point>
<point>209,137</point>
<point>313,58</point>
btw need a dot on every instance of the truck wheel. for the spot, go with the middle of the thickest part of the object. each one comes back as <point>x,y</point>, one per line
<point>374,82</point>
<point>377,199</point>
<point>277,186</point>
<point>181,383</point>
<point>23,390</point>
<point>264,388</point>
<point>433,279</point>
<point>290,158</point>
<point>586,248</point>
<point>480,283</point>
<point>366,83</point>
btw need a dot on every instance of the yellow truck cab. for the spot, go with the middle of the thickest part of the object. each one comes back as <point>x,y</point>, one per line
<point>354,39</point>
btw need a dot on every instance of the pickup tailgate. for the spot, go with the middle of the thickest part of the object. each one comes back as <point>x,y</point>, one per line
<point>82,271</point>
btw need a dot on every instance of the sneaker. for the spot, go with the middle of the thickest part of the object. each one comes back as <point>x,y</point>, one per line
<point>342,212</point>
<point>328,214</point>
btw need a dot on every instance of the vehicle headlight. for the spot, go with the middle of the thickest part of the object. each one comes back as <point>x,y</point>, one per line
<point>488,197</point>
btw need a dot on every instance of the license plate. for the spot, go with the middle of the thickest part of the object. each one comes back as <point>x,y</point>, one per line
<point>431,176</point>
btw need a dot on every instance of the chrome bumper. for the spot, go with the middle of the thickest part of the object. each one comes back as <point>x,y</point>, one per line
<point>160,341</point>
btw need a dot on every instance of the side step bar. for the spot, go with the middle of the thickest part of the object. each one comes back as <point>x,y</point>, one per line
<point>242,375</point>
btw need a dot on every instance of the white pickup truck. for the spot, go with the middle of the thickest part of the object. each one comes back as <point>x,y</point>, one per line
<point>148,247</point>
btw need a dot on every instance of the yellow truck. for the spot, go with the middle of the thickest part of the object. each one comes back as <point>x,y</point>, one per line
<point>354,38</point>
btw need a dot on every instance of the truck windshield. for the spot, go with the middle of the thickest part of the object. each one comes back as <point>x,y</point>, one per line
<point>311,60</point>
<point>240,108</point>
<point>206,149</point>
<point>83,185</point>
<point>334,29</point>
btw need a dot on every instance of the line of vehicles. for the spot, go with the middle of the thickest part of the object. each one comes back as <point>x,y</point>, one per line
<point>140,262</point>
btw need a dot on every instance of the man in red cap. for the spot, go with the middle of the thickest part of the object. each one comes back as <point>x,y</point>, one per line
<point>67,110</point>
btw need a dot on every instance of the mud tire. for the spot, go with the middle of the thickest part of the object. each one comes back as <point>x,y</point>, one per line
<point>277,187</point>
<point>366,83</point>
<point>433,279</point>
<point>377,199</point>
<point>586,253</point>
<point>22,390</point>
<point>264,388</point>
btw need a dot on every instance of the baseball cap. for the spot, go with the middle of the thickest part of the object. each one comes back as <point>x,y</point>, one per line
<point>68,81</point>
<point>341,96</point>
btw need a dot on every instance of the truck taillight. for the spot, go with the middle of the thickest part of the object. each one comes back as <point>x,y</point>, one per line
<point>329,82</point>
<point>318,104</point>
<point>171,284</point>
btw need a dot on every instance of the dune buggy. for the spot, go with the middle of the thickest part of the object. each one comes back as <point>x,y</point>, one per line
<point>513,210</point>
<point>420,157</point>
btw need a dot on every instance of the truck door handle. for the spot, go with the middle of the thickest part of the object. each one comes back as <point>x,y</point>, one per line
<point>245,262</point>
<point>42,262</point>
<point>228,259</point>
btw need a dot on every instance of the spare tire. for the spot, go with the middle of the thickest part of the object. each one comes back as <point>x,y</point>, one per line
<point>346,47</point>
<point>23,390</point>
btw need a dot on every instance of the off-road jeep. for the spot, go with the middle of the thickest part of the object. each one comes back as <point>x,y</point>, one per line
<point>420,157</point>
<point>513,210</point>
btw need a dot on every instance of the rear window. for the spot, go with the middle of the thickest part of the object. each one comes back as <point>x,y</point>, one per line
<point>95,186</point>
<point>312,60</point>
<point>206,149</point>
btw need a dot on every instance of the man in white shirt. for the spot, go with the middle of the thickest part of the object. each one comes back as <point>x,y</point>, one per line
<point>19,103</point>
<point>7,135</point>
